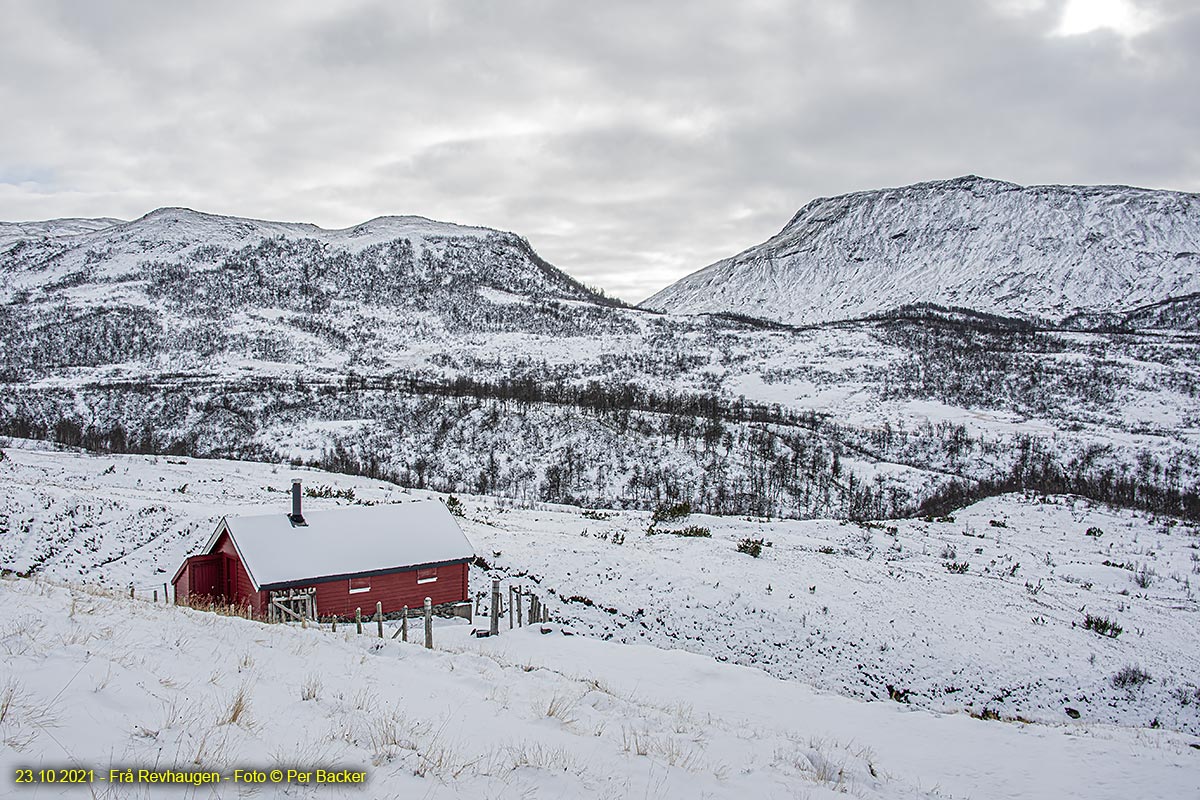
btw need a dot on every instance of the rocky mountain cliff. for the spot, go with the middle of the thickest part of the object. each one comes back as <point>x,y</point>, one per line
<point>1038,252</point>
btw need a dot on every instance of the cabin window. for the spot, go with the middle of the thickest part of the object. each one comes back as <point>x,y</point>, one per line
<point>360,585</point>
<point>427,575</point>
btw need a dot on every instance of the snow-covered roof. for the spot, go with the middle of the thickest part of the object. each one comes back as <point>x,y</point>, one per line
<point>345,541</point>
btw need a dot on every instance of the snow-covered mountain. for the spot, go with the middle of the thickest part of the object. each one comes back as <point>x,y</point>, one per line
<point>51,228</point>
<point>454,358</point>
<point>1041,252</point>
<point>398,260</point>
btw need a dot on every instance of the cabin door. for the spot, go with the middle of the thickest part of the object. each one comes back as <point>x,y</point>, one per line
<point>207,577</point>
<point>229,579</point>
<point>214,577</point>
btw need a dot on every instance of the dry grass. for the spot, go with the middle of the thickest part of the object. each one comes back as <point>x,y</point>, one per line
<point>223,609</point>
<point>815,761</point>
<point>311,688</point>
<point>22,717</point>
<point>22,638</point>
<point>538,756</point>
<point>664,748</point>
<point>442,760</point>
<point>389,733</point>
<point>562,709</point>
<point>100,682</point>
<point>212,749</point>
<point>238,708</point>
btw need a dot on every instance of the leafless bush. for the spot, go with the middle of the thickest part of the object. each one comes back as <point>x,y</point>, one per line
<point>1130,677</point>
<point>1144,576</point>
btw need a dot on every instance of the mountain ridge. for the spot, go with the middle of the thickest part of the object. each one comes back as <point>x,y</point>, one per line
<point>1035,252</point>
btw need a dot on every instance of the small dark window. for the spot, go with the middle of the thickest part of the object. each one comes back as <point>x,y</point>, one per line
<point>427,575</point>
<point>360,585</point>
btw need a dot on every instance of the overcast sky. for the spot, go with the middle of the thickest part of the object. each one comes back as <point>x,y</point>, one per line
<point>630,142</point>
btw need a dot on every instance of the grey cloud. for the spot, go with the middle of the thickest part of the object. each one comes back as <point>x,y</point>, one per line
<point>630,142</point>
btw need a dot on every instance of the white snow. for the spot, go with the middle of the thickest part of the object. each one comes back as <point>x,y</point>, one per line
<point>995,247</point>
<point>96,681</point>
<point>843,607</point>
<point>345,541</point>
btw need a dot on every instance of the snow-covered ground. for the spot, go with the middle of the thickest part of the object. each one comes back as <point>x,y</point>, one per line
<point>850,608</point>
<point>92,680</point>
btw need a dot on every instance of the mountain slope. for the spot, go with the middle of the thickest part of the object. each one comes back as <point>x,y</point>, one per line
<point>454,358</point>
<point>294,258</point>
<point>179,280</point>
<point>11,232</point>
<point>96,681</point>
<point>1045,252</point>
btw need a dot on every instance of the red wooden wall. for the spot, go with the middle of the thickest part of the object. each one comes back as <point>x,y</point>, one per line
<point>395,590</point>
<point>221,575</point>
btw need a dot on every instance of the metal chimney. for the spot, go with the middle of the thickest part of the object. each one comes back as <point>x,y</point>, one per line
<point>296,516</point>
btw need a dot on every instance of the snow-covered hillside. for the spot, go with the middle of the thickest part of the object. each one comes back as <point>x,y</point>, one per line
<point>1042,252</point>
<point>455,359</point>
<point>95,681</point>
<point>53,228</point>
<point>981,613</point>
<point>176,268</point>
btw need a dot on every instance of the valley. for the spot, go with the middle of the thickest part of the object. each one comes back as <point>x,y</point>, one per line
<point>967,511</point>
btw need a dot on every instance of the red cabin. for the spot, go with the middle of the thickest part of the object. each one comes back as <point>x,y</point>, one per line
<point>341,559</point>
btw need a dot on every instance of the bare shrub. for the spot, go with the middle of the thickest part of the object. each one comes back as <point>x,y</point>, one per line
<point>1188,694</point>
<point>1144,576</point>
<point>1130,677</point>
<point>751,547</point>
<point>1102,625</point>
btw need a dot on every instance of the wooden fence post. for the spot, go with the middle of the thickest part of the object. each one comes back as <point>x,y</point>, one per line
<point>166,595</point>
<point>156,595</point>
<point>334,624</point>
<point>131,591</point>
<point>494,630</point>
<point>428,624</point>
<point>520,600</point>
<point>379,617</point>
<point>358,620</point>
<point>404,626</point>
<point>510,608</point>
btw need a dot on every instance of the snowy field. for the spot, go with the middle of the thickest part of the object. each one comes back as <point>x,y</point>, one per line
<point>976,624</point>
<point>93,680</point>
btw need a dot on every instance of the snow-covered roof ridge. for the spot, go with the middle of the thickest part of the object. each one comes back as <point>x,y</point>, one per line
<point>345,541</point>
